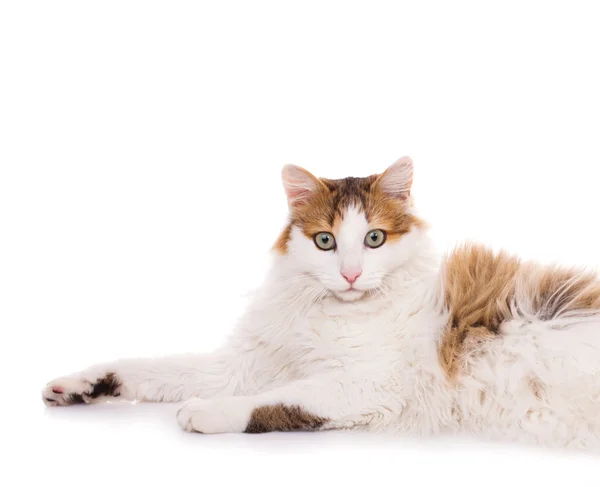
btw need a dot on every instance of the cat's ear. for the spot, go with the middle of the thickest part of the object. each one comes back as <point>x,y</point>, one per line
<point>299,184</point>
<point>396,180</point>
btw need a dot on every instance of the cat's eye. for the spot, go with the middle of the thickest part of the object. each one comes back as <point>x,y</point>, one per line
<point>375,238</point>
<point>324,240</point>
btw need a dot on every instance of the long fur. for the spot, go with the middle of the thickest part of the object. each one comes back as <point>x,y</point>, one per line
<point>475,342</point>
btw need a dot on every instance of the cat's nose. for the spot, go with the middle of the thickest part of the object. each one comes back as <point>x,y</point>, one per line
<point>351,275</point>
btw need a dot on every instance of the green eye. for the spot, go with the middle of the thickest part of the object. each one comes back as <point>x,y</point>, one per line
<point>324,240</point>
<point>375,238</point>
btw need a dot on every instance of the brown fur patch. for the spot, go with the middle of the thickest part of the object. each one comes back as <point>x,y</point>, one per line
<point>323,211</point>
<point>283,418</point>
<point>75,399</point>
<point>108,385</point>
<point>555,290</point>
<point>483,289</point>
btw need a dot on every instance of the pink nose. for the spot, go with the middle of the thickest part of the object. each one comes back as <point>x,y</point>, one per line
<point>351,276</point>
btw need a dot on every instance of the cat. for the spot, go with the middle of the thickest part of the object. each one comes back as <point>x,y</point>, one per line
<point>360,324</point>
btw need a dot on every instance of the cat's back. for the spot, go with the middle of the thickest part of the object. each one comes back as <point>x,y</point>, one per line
<point>522,340</point>
<point>487,294</point>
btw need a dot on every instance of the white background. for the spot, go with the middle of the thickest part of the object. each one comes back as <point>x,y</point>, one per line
<point>140,149</point>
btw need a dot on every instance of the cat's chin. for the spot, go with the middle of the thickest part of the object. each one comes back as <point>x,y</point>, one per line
<point>349,296</point>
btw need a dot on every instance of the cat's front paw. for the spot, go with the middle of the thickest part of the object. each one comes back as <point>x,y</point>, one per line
<point>80,389</point>
<point>219,415</point>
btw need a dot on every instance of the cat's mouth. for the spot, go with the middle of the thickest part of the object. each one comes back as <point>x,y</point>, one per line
<point>350,294</point>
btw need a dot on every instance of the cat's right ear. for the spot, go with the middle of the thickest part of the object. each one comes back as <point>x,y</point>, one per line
<point>299,184</point>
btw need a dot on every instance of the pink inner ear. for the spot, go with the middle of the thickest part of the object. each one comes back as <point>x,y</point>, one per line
<point>296,193</point>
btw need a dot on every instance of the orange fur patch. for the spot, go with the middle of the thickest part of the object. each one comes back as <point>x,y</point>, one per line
<point>481,290</point>
<point>280,244</point>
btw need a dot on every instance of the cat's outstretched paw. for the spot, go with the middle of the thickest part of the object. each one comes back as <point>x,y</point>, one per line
<point>219,415</point>
<point>66,391</point>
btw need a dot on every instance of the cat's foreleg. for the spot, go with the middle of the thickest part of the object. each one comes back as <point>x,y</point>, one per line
<point>165,379</point>
<point>329,402</point>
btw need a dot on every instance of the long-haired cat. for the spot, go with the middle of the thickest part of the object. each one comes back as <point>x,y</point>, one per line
<point>360,325</point>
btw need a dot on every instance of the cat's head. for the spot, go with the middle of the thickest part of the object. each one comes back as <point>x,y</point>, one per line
<point>350,233</point>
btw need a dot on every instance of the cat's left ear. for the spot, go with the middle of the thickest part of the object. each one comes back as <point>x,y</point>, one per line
<point>397,179</point>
